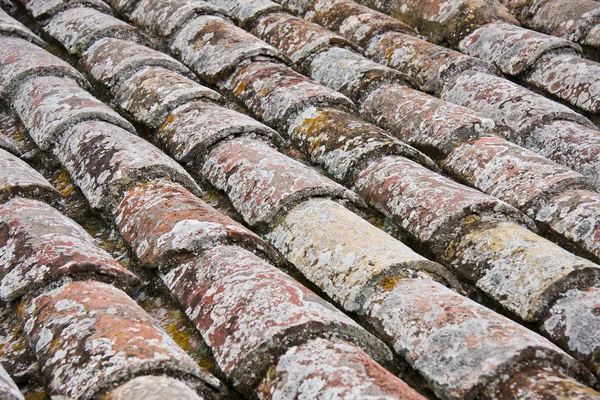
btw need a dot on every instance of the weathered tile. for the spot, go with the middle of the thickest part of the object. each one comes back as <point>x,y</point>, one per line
<point>430,124</point>
<point>48,106</point>
<point>519,269</point>
<point>264,184</point>
<point>123,7</point>
<point>111,61</point>
<point>511,48</point>
<point>343,144</point>
<point>42,9</point>
<point>152,93</point>
<point>275,93</point>
<point>350,263</point>
<point>190,130</point>
<point>336,369</point>
<point>40,246</point>
<point>444,21</point>
<point>104,160</point>
<point>20,60</point>
<point>166,18</point>
<point>166,224</point>
<point>431,66</point>
<point>430,207</point>
<point>14,137</point>
<point>458,345</point>
<point>298,39</point>
<point>213,47</point>
<point>17,179</point>
<point>570,144</point>
<point>78,28</point>
<point>153,387</point>
<point>357,23</point>
<point>531,383</point>
<point>574,321</point>
<point>15,355</point>
<point>568,77</point>
<point>511,173</point>
<point>13,28</point>
<point>89,336</point>
<point>508,103</point>
<point>250,313</point>
<point>8,388</point>
<point>248,11</point>
<point>352,74</point>
<point>567,19</point>
<point>574,215</point>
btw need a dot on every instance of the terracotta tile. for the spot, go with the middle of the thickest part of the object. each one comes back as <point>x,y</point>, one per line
<point>41,246</point>
<point>8,389</point>
<point>41,9</point>
<point>111,61</point>
<point>13,28</point>
<point>329,366</point>
<point>166,224</point>
<point>430,207</point>
<point>250,313</point>
<point>78,28</point>
<point>105,160</point>
<point>264,184</point>
<point>17,179</point>
<point>456,344</point>
<point>152,93</point>
<point>153,388</point>
<point>89,336</point>
<point>20,60</point>
<point>275,93</point>
<point>520,270</point>
<point>191,130</point>
<point>169,17</point>
<point>343,144</point>
<point>350,263</point>
<point>213,47</point>
<point>49,106</point>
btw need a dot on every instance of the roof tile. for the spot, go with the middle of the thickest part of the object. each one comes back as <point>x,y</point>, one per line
<point>20,60</point>
<point>41,9</point>
<point>90,335</point>
<point>350,263</point>
<point>283,93</point>
<point>79,28</point>
<point>105,160</point>
<point>459,346</point>
<point>213,47</point>
<point>48,106</point>
<point>153,387</point>
<point>331,363</point>
<point>168,18</point>
<point>250,313</point>
<point>17,179</point>
<point>11,27</point>
<point>165,224</point>
<point>111,61</point>
<point>264,184</point>
<point>192,129</point>
<point>343,144</point>
<point>37,254</point>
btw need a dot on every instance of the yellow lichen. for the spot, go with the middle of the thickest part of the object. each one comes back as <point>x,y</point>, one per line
<point>390,282</point>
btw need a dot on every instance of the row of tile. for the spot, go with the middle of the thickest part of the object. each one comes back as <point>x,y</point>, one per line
<point>574,21</point>
<point>487,29</point>
<point>437,127</point>
<point>227,290</point>
<point>375,177</point>
<point>234,166</point>
<point>75,323</point>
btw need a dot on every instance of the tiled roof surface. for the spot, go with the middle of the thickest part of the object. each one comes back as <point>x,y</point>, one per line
<point>299,199</point>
